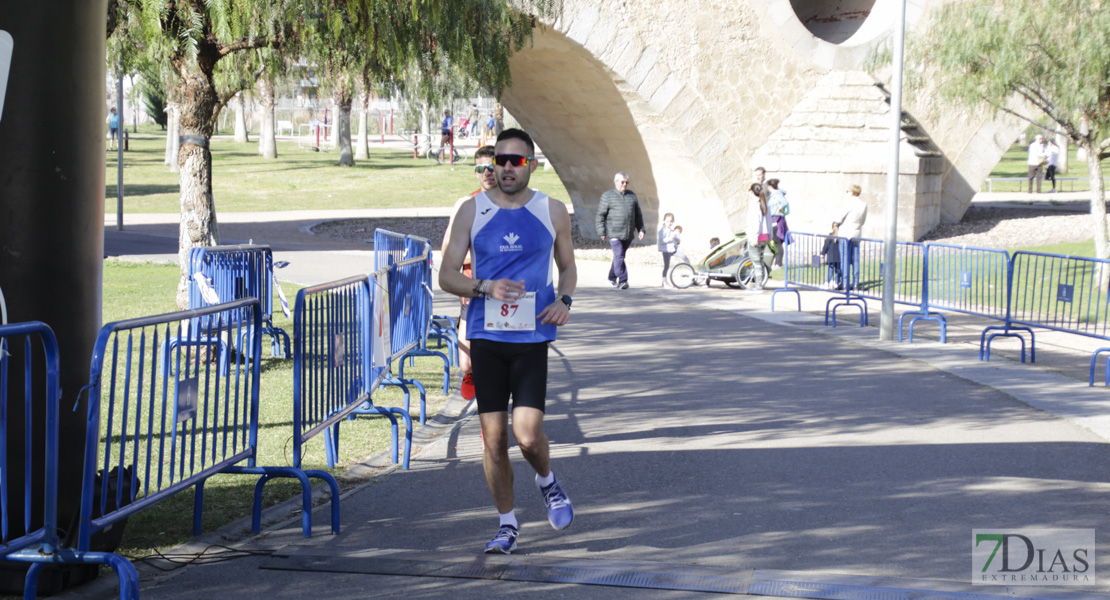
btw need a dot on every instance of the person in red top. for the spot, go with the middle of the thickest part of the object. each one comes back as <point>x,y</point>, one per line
<point>483,171</point>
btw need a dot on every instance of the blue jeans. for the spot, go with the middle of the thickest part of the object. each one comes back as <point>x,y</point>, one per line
<point>617,271</point>
<point>849,250</point>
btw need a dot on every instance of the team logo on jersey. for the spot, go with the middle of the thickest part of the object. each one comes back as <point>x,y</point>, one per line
<point>512,245</point>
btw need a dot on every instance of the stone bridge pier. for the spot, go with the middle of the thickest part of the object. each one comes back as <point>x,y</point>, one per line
<point>689,97</point>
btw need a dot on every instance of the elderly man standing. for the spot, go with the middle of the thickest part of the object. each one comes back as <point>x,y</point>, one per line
<point>619,220</point>
<point>1038,156</point>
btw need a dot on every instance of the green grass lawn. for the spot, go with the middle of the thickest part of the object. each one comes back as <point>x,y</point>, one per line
<point>1013,164</point>
<point>298,179</point>
<point>142,289</point>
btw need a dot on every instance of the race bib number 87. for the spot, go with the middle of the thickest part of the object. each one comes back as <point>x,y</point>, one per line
<point>512,315</point>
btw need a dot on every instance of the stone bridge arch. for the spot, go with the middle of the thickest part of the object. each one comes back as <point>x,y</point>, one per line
<point>688,98</point>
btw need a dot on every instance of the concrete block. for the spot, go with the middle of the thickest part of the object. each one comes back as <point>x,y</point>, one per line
<point>582,25</point>
<point>652,82</point>
<point>629,57</point>
<point>667,94</point>
<point>717,170</point>
<point>848,120</point>
<point>690,121</point>
<point>601,38</point>
<point>684,96</point>
<point>714,145</point>
<point>644,65</point>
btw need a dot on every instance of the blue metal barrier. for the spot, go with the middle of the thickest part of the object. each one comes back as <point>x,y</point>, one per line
<point>162,431</point>
<point>389,248</point>
<point>234,272</point>
<point>1059,293</point>
<point>424,320</point>
<point>406,260</point>
<point>961,279</point>
<point>909,265</point>
<point>817,262</point>
<point>1026,290</point>
<point>334,363</point>
<point>441,328</point>
<point>34,409</point>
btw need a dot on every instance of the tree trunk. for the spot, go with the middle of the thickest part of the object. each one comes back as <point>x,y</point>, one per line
<point>168,159</point>
<point>240,119</point>
<point>198,101</point>
<point>362,147</point>
<point>267,142</point>
<point>173,137</point>
<point>343,128</point>
<point>425,123</point>
<point>1098,201</point>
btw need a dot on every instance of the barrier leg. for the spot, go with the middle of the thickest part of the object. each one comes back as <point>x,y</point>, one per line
<point>389,412</point>
<point>1094,360</point>
<point>333,485</point>
<point>932,316</point>
<point>1004,334</point>
<point>408,437</point>
<point>786,290</point>
<point>279,341</point>
<point>256,509</point>
<point>446,370</point>
<point>31,581</point>
<point>848,302</point>
<point>900,319</point>
<point>423,398</point>
<point>331,445</point>
<point>403,384</point>
<point>198,506</point>
<point>125,571</point>
<point>268,473</point>
<point>984,345</point>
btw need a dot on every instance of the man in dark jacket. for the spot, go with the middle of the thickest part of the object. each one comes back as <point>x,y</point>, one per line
<point>619,220</point>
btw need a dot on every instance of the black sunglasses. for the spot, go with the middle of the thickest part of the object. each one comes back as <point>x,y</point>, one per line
<point>516,160</point>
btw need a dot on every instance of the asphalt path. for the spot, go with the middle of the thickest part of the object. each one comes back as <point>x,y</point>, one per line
<point>698,430</point>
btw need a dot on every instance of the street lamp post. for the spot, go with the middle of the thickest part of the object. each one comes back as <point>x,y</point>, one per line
<point>890,249</point>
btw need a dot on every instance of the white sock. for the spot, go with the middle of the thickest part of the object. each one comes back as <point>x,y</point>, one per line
<point>546,481</point>
<point>509,518</point>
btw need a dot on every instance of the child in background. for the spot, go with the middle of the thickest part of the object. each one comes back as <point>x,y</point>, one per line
<point>831,252</point>
<point>679,254</point>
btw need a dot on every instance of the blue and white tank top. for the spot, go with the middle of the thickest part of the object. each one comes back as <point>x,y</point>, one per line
<point>517,244</point>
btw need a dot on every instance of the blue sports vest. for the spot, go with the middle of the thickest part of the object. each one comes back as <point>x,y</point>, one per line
<point>517,244</point>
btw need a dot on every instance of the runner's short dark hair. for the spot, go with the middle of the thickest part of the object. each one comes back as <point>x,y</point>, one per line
<point>484,152</point>
<point>518,134</point>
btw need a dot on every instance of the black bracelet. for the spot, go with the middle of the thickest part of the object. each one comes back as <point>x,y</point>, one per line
<point>478,287</point>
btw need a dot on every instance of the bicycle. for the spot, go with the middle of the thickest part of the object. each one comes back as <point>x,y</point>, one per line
<point>441,156</point>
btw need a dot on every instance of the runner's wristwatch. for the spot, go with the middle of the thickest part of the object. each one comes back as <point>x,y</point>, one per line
<point>566,300</point>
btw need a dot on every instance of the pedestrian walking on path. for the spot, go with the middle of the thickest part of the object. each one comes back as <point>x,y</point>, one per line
<point>512,232</point>
<point>619,221</point>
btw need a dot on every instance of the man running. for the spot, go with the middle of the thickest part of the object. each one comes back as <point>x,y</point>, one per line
<point>513,232</point>
<point>483,170</point>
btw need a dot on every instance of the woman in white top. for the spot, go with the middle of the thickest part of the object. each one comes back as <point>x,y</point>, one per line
<point>759,235</point>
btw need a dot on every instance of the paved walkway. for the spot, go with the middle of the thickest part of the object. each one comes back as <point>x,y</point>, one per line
<point>711,444</point>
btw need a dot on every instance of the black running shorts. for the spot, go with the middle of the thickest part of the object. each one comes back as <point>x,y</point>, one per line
<point>502,370</point>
